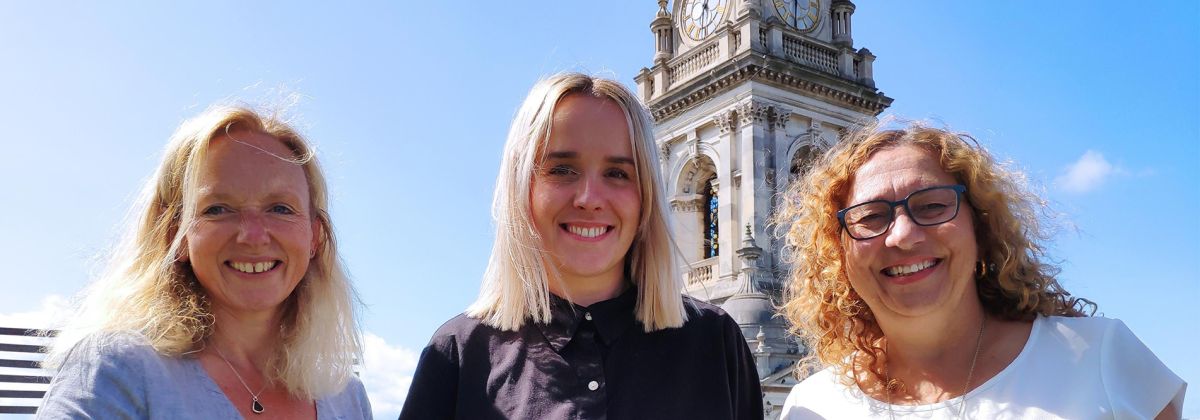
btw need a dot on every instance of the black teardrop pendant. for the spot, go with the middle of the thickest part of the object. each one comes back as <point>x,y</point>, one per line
<point>257,408</point>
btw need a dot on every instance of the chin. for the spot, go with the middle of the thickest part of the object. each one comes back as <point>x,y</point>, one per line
<point>917,304</point>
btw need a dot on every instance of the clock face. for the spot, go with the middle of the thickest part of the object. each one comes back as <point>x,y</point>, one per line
<point>800,14</point>
<point>700,18</point>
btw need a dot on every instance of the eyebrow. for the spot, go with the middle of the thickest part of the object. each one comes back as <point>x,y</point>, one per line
<point>223,197</point>
<point>573,155</point>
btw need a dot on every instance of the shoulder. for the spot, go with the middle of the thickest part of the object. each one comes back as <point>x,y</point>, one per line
<point>457,330</point>
<point>352,402</point>
<point>1071,343</point>
<point>705,313</point>
<point>450,339</point>
<point>110,348</point>
<point>819,396</point>
<point>816,386</point>
<point>1135,381</point>
<point>1088,327</point>
<point>110,374</point>
<point>461,324</point>
<point>1080,336</point>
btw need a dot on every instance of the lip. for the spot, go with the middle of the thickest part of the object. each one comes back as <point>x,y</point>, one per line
<point>914,277</point>
<point>609,229</point>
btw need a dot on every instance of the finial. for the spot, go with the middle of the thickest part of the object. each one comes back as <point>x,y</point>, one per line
<point>761,337</point>
<point>662,8</point>
<point>748,241</point>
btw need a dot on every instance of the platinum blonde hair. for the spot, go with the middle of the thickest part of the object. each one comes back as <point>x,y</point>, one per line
<point>146,289</point>
<point>515,285</point>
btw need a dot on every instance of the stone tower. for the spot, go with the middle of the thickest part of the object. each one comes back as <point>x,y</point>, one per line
<point>743,94</point>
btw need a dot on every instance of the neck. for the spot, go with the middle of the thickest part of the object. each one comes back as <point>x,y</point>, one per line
<point>585,291</point>
<point>920,348</point>
<point>245,339</point>
<point>934,354</point>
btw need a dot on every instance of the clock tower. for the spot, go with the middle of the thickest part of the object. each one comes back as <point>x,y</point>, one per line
<point>744,93</point>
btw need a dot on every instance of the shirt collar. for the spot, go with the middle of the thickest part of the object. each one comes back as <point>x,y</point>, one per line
<point>610,317</point>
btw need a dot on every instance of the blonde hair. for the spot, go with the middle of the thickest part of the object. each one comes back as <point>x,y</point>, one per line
<point>821,305</point>
<point>147,290</point>
<point>515,285</point>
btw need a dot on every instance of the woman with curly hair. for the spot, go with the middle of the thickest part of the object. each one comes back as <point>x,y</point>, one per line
<point>227,299</point>
<point>920,279</point>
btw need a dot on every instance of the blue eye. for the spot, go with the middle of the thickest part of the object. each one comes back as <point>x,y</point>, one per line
<point>215,211</point>
<point>617,173</point>
<point>281,209</point>
<point>560,170</point>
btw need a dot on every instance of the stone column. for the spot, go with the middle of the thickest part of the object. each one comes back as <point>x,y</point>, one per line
<point>689,230</point>
<point>776,148</point>
<point>846,63</point>
<point>866,72</point>
<point>661,26</point>
<point>754,200</point>
<point>775,41</point>
<point>842,11</point>
<point>726,222</point>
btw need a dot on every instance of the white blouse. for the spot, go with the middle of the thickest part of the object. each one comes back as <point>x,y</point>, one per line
<point>1071,368</point>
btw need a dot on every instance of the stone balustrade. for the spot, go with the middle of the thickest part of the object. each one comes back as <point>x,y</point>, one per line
<point>701,271</point>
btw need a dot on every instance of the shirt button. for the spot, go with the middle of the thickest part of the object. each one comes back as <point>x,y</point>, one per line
<point>593,385</point>
<point>588,316</point>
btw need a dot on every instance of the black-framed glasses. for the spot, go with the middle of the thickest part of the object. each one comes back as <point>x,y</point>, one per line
<point>927,207</point>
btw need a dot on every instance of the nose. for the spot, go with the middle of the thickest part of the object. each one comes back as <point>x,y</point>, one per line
<point>904,233</point>
<point>253,230</point>
<point>590,195</point>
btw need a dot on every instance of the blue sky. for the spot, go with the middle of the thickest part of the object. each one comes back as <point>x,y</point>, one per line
<point>1099,102</point>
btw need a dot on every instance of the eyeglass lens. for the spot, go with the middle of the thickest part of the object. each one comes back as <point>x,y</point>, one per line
<point>926,208</point>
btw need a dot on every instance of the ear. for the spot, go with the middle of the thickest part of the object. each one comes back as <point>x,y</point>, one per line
<point>317,233</point>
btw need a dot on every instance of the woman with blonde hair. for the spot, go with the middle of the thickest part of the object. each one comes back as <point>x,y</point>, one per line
<point>227,299</point>
<point>920,279</point>
<point>580,314</point>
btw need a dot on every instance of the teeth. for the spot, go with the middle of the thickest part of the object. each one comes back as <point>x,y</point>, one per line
<point>904,270</point>
<point>587,232</point>
<point>246,267</point>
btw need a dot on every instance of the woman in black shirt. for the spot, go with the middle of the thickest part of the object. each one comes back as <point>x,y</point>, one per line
<point>580,315</point>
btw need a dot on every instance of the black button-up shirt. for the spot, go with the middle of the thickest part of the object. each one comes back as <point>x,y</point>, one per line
<point>592,362</point>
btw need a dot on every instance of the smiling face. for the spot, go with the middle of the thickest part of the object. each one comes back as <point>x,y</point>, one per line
<point>910,270</point>
<point>254,231</point>
<point>584,196</point>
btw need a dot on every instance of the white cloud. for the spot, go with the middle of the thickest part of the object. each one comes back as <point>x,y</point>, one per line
<point>1087,173</point>
<point>49,314</point>
<point>387,372</point>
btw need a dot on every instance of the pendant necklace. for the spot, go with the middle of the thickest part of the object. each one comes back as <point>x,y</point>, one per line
<point>962,405</point>
<point>255,406</point>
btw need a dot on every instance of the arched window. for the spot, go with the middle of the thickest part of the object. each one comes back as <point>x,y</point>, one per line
<point>710,218</point>
<point>801,162</point>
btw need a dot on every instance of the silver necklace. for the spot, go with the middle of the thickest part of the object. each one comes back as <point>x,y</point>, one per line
<point>255,405</point>
<point>962,405</point>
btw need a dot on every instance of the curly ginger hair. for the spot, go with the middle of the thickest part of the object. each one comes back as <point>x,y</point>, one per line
<point>822,307</point>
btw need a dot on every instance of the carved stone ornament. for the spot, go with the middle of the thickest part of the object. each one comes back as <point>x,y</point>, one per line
<point>750,112</point>
<point>816,135</point>
<point>687,205</point>
<point>664,152</point>
<point>724,121</point>
<point>781,117</point>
